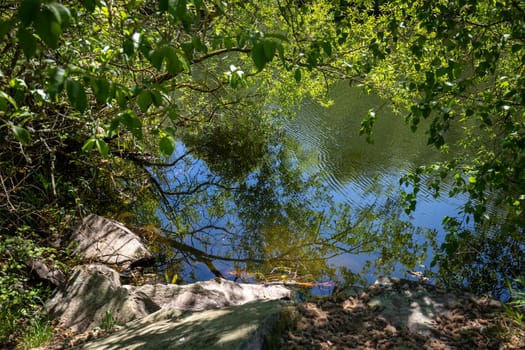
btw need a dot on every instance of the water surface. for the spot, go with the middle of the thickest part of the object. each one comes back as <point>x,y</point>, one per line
<point>313,201</point>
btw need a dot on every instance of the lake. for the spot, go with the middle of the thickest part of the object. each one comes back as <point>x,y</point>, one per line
<point>308,200</point>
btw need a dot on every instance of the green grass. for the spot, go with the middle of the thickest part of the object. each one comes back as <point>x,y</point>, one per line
<point>38,333</point>
<point>516,308</point>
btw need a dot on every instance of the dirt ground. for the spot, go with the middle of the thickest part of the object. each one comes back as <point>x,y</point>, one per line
<point>360,322</point>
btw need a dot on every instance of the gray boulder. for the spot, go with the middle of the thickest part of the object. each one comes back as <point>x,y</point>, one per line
<point>46,271</point>
<point>94,291</point>
<point>91,293</point>
<point>98,239</point>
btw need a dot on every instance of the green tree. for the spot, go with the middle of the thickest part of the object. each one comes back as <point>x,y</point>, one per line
<point>460,66</point>
<point>93,94</point>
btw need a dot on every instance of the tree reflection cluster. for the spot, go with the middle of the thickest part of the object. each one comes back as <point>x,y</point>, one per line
<point>271,212</point>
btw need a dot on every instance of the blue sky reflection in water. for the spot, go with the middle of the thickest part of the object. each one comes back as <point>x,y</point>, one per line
<point>318,174</point>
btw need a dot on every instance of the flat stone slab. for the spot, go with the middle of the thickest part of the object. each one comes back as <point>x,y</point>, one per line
<point>210,294</point>
<point>91,291</point>
<point>246,326</point>
<point>98,239</point>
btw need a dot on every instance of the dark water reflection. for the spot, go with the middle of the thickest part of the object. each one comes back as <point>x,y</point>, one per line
<point>309,201</point>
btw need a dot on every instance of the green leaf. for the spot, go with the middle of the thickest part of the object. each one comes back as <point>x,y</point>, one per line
<point>179,10</point>
<point>167,145</point>
<point>5,27</point>
<point>88,145</point>
<point>186,65</point>
<point>4,100</point>
<point>297,75</point>
<point>21,134</point>
<point>90,5</point>
<point>472,179</point>
<point>327,48</point>
<point>173,63</point>
<point>114,125</point>
<point>28,11</point>
<point>173,115</point>
<point>198,45</point>
<point>163,5</point>
<point>269,46</point>
<point>77,95</point>
<point>280,49</point>
<point>144,100</point>
<point>128,47</point>
<point>101,89</point>
<point>61,13</point>
<point>156,58</point>
<point>258,56</point>
<point>55,82</point>
<point>156,97</point>
<point>102,147</point>
<point>27,42</point>
<point>121,94</point>
<point>132,123</point>
<point>48,28</point>
<point>228,43</point>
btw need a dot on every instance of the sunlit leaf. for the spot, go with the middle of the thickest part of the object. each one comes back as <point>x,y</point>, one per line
<point>102,147</point>
<point>167,145</point>
<point>88,145</point>
<point>5,99</point>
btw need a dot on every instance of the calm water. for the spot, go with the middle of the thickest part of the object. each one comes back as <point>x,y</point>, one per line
<point>319,202</point>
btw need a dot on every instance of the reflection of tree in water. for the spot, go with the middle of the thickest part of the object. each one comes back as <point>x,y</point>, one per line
<point>479,257</point>
<point>232,145</point>
<point>274,215</point>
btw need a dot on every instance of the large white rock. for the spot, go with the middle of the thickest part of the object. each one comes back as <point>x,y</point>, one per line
<point>95,290</point>
<point>91,292</point>
<point>210,294</point>
<point>98,239</point>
